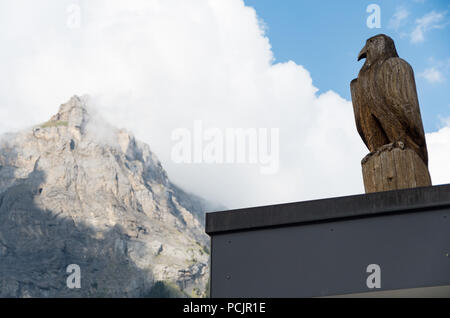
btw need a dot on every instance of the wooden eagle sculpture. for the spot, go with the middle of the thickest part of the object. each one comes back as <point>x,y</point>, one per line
<point>386,107</point>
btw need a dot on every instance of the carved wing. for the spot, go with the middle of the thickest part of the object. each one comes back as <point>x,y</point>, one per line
<point>358,101</point>
<point>400,95</point>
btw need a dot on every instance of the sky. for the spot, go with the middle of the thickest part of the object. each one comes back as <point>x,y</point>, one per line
<point>336,30</point>
<point>160,67</point>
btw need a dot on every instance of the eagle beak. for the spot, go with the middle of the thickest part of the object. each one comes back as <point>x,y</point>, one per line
<point>362,54</point>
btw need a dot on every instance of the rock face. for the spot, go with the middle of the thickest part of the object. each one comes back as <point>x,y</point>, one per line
<point>75,190</point>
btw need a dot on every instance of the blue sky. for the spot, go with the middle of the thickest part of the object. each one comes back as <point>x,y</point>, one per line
<point>326,36</point>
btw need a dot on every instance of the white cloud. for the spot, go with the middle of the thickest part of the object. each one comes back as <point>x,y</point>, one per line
<point>432,20</point>
<point>439,153</point>
<point>154,66</point>
<point>432,75</point>
<point>399,18</point>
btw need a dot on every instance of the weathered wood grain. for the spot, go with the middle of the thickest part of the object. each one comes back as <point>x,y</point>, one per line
<point>387,115</point>
<point>394,167</point>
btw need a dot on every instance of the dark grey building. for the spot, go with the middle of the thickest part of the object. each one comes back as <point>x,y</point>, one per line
<point>394,243</point>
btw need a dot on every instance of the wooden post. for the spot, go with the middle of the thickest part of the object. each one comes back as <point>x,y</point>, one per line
<point>392,167</point>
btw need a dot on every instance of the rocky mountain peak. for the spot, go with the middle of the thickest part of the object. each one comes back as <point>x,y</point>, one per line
<point>74,113</point>
<point>76,190</point>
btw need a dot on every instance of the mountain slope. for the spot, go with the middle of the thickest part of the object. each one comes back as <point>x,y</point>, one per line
<point>75,190</point>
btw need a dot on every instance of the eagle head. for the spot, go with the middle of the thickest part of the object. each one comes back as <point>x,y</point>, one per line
<point>378,47</point>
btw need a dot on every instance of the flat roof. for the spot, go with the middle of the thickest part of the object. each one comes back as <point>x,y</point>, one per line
<point>332,209</point>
